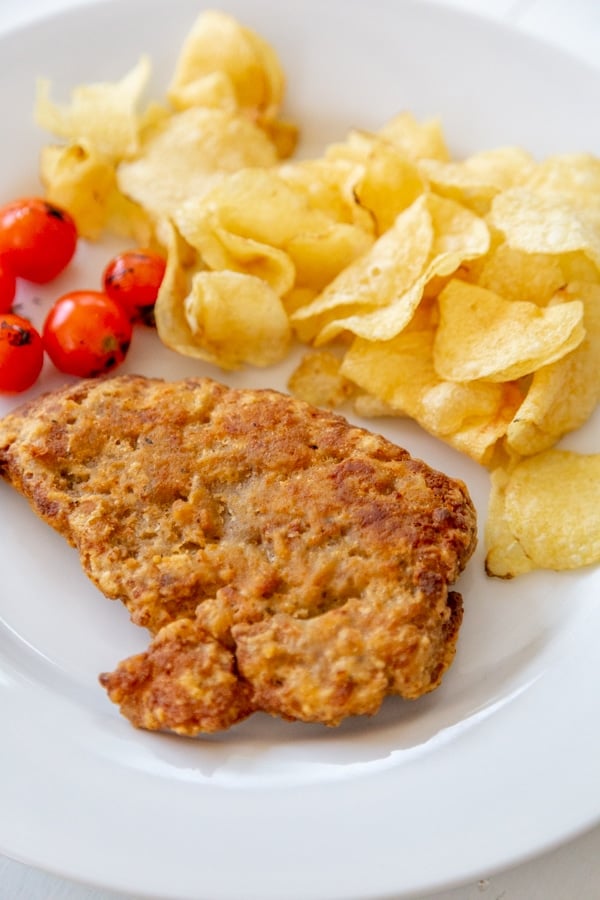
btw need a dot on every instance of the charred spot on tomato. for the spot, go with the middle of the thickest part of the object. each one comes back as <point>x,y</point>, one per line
<point>16,335</point>
<point>109,343</point>
<point>115,278</point>
<point>55,212</point>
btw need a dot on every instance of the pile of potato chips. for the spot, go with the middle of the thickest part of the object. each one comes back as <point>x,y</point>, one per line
<point>462,293</point>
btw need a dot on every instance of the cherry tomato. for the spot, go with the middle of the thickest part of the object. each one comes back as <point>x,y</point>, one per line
<point>21,353</point>
<point>86,333</point>
<point>37,239</point>
<point>133,279</point>
<point>8,286</point>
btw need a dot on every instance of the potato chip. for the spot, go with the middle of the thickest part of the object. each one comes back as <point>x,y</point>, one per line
<point>221,249</point>
<point>319,256</point>
<point>389,185</point>
<point>416,140</point>
<point>471,417</point>
<point>225,318</point>
<point>370,407</point>
<point>563,395</point>
<point>578,267</point>
<point>106,115</point>
<point>218,44</point>
<point>182,154</point>
<point>255,221</point>
<point>250,257</point>
<point>431,238</point>
<point>575,176</point>
<point>505,557</point>
<point>386,181</point>
<point>235,319</point>
<point>317,380</point>
<point>483,336</point>
<point>169,312</point>
<point>516,275</point>
<point>283,134</point>
<point>544,514</point>
<point>476,180</point>
<point>381,276</point>
<point>296,298</point>
<point>329,186</point>
<point>79,179</point>
<point>215,90</point>
<point>545,223</point>
<point>255,203</point>
<point>573,179</point>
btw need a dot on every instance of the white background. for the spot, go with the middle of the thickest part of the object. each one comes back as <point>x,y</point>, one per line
<point>571,872</point>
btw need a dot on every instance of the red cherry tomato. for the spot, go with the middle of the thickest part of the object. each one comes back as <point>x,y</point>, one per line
<point>8,286</point>
<point>86,334</point>
<point>21,353</point>
<point>133,279</point>
<point>37,239</point>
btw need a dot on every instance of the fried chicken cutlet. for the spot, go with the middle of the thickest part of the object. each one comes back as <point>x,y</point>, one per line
<point>283,559</point>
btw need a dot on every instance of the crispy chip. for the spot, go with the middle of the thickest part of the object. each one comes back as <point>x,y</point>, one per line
<point>221,249</point>
<point>563,395</point>
<point>214,89</point>
<point>255,203</point>
<point>517,275</point>
<point>283,134</point>
<point>476,180</point>
<point>545,223</point>
<point>505,557</point>
<point>319,256</point>
<point>381,277</point>
<point>169,311</point>
<point>225,318</point>
<point>370,407</point>
<point>387,181</point>
<point>472,417</point>
<point>219,52</point>
<point>236,319</point>
<point>106,115</point>
<point>79,179</point>
<point>317,380</point>
<point>571,176</point>
<point>578,267</point>
<point>416,140</point>
<point>329,186</point>
<point>256,222</point>
<point>544,514</point>
<point>483,336</point>
<point>431,238</point>
<point>182,154</point>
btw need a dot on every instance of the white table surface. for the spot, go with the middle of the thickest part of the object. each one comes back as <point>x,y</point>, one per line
<point>571,872</point>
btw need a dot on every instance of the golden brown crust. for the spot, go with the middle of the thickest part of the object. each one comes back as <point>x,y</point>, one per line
<point>316,554</point>
<point>186,681</point>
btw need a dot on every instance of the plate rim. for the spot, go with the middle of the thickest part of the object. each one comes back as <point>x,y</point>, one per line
<point>122,883</point>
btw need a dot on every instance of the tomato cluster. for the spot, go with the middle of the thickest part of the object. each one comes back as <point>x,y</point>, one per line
<point>86,333</point>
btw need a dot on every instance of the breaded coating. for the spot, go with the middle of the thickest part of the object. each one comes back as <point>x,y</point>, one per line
<point>284,560</point>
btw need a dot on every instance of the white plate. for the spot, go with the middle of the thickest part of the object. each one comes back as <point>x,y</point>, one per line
<point>499,764</point>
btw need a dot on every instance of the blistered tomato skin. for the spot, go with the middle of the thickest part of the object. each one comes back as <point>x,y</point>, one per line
<point>133,280</point>
<point>86,334</point>
<point>37,239</point>
<point>21,354</point>
<point>8,286</point>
